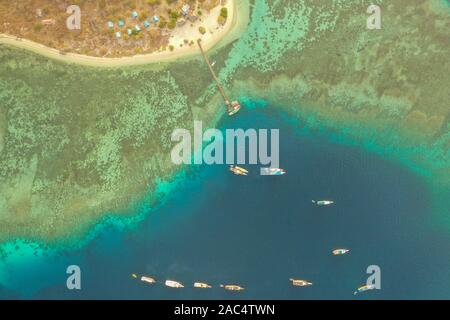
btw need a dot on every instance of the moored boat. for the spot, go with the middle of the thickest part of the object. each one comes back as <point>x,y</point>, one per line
<point>300,283</point>
<point>238,170</point>
<point>272,171</point>
<point>337,252</point>
<point>232,287</point>
<point>148,279</point>
<point>202,285</point>
<point>173,284</point>
<point>323,203</point>
<point>364,288</point>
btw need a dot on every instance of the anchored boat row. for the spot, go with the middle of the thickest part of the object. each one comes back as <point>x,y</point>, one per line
<point>203,285</point>
<point>179,285</point>
<point>233,287</point>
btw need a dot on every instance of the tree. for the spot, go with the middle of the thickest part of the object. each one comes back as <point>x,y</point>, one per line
<point>224,12</point>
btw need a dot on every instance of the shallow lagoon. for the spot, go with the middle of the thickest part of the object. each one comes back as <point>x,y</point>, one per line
<point>260,231</point>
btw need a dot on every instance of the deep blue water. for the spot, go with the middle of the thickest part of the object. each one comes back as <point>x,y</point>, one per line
<point>260,231</point>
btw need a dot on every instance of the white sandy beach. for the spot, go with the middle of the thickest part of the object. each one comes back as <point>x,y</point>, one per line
<point>238,16</point>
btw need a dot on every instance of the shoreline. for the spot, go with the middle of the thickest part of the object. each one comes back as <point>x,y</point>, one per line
<point>236,21</point>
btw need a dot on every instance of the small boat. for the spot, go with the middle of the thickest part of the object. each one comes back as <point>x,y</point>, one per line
<point>232,287</point>
<point>213,64</point>
<point>238,170</point>
<point>173,284</point>
<point>202,285</point>
<point>300,283</point>
<point>272,171</point>
<point>323,202</point>
<point>148,280</point>
<point>338,252</point>
<point>364,289</point>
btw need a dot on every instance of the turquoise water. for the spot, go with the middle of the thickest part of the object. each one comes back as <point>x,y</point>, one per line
<point>260,231</point>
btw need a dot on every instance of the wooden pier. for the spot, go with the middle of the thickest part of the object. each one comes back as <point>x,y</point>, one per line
<point>232,107</point>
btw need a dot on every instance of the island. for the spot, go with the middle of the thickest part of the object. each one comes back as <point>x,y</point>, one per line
<point>116,33</point>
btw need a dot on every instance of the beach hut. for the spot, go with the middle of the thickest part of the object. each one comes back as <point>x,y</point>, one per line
<point>134,14</point>
<point>130,32</point>
<point>110,24</point>
<point>146,24</point>
<point>155,19</point>
<point>121,23</point>
<point>137,27</point>
<point>118,35</point>
<point>185,9</point>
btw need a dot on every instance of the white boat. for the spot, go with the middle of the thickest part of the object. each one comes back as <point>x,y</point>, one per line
<point>148,280</point>
<point>337,252</point>
<point>202,285</point>
<point>173,284</point>
<point>272,171</point>
<point>323,203</point>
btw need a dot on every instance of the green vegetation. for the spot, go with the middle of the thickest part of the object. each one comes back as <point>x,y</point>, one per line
<point>222,18</point>
<point>173,18</point>
<point>224,12</point>
<point>38,26</point>
<point>172,24</point>
<point>162,24</point>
